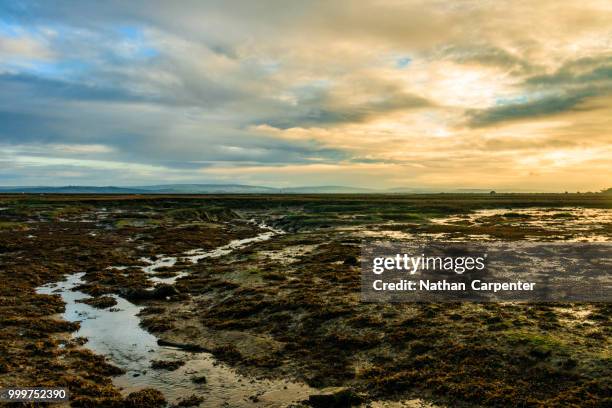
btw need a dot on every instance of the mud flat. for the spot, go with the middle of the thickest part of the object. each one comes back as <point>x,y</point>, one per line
<point>284,311</point>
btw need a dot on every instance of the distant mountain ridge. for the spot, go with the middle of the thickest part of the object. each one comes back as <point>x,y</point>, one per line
<point>206,189</point>
<point>73,190</point>
<point>232,189</point>
<point>183,189</point>
<point>327,189</point>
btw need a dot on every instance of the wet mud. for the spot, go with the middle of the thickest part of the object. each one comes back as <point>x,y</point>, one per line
<point>191,301</point>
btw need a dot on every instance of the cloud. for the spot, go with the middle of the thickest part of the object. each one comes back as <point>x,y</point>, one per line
<point>487,55</point>
<point>566,89</point>
<point>360,101</point>
<point>386,93</point>
<point>582,71</point>
<point>34,86</point>
<point>23,49</point>
<point>543,106</point>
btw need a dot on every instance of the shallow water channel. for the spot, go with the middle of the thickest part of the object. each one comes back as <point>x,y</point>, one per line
<point>116,334</point>
<point>568,224</point>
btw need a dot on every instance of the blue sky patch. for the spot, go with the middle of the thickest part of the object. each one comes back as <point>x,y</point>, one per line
<point>403,62</point>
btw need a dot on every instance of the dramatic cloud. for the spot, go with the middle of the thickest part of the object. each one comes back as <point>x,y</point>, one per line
<point>563,90</point>
<point>380,93</point>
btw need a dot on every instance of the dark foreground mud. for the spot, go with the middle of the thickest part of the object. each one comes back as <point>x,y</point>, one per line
<point>288,306</point>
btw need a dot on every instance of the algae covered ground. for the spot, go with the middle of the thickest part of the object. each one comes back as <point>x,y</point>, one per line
<point>255,301</point>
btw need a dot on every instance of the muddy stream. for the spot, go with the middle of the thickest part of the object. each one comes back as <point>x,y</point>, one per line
<point>116,334</point>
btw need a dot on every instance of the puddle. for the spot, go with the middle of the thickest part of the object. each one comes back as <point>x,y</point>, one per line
<point>288,254</point>
<point>412,403</point>
<point>376,231</point>
<point>195,255</point>
<point>569,224</point>
<point>390,234</point>
<point>116,334</point>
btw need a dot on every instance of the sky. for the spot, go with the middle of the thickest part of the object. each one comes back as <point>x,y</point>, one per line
<point>513,95</point>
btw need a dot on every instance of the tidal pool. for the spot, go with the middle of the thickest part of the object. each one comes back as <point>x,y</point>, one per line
<point>116,334</point>
<point>570,224</point>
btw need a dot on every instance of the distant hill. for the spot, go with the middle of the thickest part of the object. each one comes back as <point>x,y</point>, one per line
<point>327,190</point>
<point>207,189</point>
<point>408,190</point>
<point>73,190</point>
<point>187,189</point>
<point>607,192</point>
<point>232,189</point>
